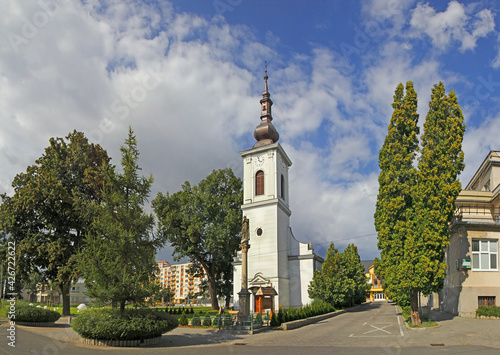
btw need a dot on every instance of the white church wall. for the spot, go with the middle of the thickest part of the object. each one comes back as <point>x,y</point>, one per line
<point>306,276</point>
<point>295,283</point>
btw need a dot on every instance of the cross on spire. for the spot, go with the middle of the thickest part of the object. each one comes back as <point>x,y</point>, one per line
<point>265,133</point>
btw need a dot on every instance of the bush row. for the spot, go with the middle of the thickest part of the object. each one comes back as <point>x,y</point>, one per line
<point>132,324</point>
<point>206,321</point>
<point>290,314</point>
<point>488,311</point>
<point>178,310</point>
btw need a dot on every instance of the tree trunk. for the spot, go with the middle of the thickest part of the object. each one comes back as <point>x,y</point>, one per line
<point>228,301</point>
<point>64,286</point>
<point>122,306</point>
<point>415,316</point>
<point>213,292</point>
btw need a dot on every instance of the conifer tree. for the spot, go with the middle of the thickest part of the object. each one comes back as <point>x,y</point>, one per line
<point>118,261</point>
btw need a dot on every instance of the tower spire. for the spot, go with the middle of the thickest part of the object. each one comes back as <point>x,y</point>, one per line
<point>265,133</point>
<point>266,90</point>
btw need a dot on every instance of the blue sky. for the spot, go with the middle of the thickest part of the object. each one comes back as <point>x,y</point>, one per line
<point>187,76</point>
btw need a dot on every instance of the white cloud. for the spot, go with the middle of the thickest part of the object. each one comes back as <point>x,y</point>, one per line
<point>478,142</point>
<point>453,24</point>
<point>190,87</point>
<point>323,212</point>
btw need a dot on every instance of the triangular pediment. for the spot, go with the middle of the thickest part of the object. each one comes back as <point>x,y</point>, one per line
<point>259,279</point>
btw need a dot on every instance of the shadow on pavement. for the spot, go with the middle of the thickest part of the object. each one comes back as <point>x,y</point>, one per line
<point>439,316</point>
<point>363,307</point>
<point>208,337</point>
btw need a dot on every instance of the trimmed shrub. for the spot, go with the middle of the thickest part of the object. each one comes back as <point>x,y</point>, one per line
<point>196,321</point>
<point>33,314</point>
<point>281,316</point>
<point>207,321</point>
<point>227,321</point>
<point>274,321</point>
<point>487,311</point>
<point>258,319</point>
<point>132,324</point>
<point>215,322</point>
<point>183,320</point>
<point>286,318</point>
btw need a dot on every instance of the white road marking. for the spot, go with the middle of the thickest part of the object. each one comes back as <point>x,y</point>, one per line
<point>399,323</point>
<point>377,328</point>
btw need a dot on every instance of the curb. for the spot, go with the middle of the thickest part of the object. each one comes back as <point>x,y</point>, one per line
<point>302,322</point>
<point>121,343</point>
<point>36,324</point>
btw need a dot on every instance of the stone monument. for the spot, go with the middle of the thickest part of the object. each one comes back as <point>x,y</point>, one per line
<point>244,295</point>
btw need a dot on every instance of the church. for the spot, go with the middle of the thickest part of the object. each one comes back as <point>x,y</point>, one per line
<point>280,267</point>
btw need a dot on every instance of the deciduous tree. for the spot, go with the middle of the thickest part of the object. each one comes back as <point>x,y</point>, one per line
<point>203,223</point>
<point>413,221</point>
<point>341,281</point>
<point>394,200</point>
<point>41,216</point>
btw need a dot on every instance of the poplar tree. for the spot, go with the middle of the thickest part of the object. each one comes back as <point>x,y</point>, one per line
<point>394,201</point>
<point>413,214</point>
<point>440,163</point>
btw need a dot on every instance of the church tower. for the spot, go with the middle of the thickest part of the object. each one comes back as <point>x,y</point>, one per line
<point>274,269</point>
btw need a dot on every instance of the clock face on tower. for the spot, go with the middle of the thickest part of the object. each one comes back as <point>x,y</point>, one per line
<point>259,160</point>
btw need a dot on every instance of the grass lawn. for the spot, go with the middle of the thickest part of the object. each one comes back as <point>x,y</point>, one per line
<point>426,322</point>
<point>3,312</point>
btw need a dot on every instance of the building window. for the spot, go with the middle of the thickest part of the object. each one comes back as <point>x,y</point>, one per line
<point>484,255</point>
<point>282,190</point>
<point>486,301</point>
<point>259,183</point>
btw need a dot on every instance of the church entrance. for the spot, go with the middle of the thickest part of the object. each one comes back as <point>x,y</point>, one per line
<point>264,298</point>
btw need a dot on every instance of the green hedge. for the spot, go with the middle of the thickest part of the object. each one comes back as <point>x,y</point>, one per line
<point>207,321</point>
<point>183,320</point>
<point>491,311</point>
<point>196,321</point>
<point>132,324</point>
<point>34,314</point>
<point>290,314</point>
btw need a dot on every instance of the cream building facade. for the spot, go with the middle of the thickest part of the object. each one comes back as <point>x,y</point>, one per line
<point>280,267</point>
<point>183,284</point>
<point>473,277</point>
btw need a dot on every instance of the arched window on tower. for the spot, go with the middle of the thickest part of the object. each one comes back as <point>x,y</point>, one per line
<point>259,183</point>
<point>282,189</point>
